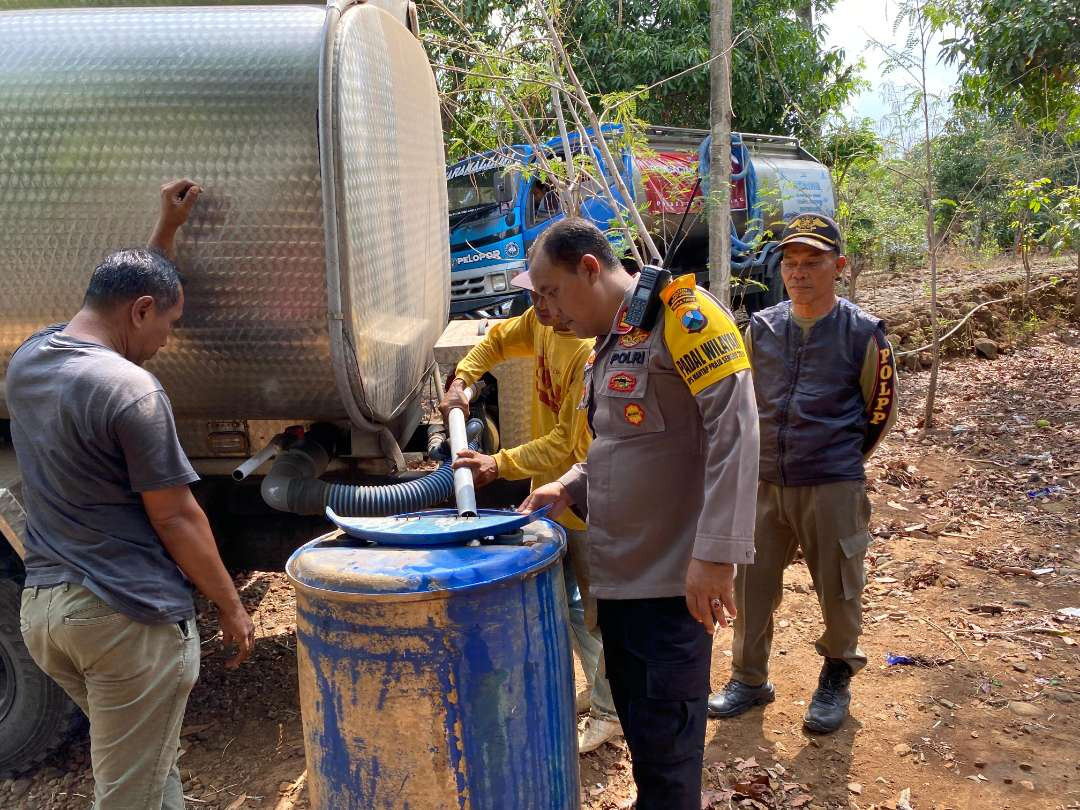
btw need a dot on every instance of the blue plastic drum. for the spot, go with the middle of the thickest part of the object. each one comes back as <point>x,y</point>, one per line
<point>436,677</point>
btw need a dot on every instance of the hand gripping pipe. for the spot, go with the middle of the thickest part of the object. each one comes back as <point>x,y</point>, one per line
<point>293,484</point>
<point>464,491</point>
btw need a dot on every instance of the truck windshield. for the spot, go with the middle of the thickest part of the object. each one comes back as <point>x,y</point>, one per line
<point>471,191</point>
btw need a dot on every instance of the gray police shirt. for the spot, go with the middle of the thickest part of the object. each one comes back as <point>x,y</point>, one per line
<point>91,431</point>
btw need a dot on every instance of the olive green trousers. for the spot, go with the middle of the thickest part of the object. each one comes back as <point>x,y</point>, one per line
<point>131,679</point>
<point>829,522</point>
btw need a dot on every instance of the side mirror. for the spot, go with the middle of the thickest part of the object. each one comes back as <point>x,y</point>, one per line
<point>504,188</point>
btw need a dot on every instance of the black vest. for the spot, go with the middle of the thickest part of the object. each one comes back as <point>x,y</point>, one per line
<point>810,404</point>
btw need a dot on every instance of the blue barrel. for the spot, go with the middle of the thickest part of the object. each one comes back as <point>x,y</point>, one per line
<point>438,677</point>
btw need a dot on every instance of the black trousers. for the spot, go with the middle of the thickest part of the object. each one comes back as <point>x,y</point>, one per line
<point>657,658</point>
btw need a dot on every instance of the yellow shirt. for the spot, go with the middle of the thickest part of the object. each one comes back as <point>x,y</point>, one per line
<point>560,430</point>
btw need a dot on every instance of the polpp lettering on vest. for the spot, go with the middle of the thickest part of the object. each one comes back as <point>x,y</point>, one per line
<point>884,394</point>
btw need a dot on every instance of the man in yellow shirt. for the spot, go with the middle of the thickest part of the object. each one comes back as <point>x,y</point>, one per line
<point>560,440</point>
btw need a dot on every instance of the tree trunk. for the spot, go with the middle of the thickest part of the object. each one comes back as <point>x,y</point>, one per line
<point>805,13</point>
<point>1076,300</point>
<point>1025,256</point>
<point>570,204</point>
<point>718,205</point>
<point>931,237</point>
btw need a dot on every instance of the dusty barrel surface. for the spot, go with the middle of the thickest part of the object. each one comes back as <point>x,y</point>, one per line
<point>437,677</point>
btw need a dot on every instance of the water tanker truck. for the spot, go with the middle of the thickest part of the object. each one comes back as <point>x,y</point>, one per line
<point>500,202</point>
<point>314,263</point>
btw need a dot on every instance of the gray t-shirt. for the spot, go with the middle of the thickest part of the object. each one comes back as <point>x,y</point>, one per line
<point>91,431</point>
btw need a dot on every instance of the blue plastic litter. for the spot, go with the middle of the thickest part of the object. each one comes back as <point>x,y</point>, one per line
<point>1045,492</point>
<point>894,660</point>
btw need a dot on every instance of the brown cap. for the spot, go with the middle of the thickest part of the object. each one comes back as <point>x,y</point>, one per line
<point>816,230</point>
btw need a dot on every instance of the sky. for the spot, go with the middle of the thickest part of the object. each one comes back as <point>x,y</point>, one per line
<point>853,24</point>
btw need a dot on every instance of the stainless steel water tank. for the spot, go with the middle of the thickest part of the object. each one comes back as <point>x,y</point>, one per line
<point>316,263</point>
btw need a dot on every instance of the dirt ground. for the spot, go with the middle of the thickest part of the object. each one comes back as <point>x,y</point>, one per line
<point>974,565</point>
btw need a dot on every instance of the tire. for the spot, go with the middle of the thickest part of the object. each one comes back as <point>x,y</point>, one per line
<point>36,715</point>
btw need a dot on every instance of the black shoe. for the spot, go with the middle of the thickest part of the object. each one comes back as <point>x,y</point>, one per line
<point>829,706</point>
<point>738,697</point>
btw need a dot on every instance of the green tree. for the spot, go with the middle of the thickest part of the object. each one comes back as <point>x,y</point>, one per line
<point>654,54</point>
<point>1028,199</point>
<point>784,79</point>
<point>1019,55</point>
<point>1064,231</point>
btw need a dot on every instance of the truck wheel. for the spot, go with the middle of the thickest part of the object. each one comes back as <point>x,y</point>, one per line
<point>36,715</point>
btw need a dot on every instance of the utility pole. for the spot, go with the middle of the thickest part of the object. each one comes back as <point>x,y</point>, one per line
<point>718,206</point>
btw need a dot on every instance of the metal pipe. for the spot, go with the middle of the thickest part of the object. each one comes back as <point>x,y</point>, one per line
<point>273,447</point>
<point>464,488</point>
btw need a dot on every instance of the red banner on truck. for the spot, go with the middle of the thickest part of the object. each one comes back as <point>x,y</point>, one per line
<point>668,178</point>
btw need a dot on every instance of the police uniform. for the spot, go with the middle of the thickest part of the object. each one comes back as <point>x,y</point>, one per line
<point>671,474</point>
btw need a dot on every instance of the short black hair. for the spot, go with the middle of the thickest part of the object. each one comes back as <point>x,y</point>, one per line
<point>569,239</point>
<point>132,273</point>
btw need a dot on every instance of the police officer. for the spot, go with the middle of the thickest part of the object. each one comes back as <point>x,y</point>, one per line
<point>668,487</point>
<point>560,440</point>
<point>826,394</point>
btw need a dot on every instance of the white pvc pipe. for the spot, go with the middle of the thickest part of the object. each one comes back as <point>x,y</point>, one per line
<point>464,489</point>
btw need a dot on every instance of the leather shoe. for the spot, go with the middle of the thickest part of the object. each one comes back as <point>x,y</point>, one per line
<point>829,706</point>
<point>738,697</point>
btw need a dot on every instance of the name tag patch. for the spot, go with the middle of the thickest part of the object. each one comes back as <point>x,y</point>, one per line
<point>633,358</point>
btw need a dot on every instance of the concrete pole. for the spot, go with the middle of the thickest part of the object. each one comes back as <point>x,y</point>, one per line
<point>719,202</point>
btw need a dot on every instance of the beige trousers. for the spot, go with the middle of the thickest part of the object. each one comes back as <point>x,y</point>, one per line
<point>132,680</point>
<point>829,523</point>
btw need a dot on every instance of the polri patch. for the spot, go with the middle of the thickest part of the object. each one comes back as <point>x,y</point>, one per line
<point>622,382</point>
<point>634,414</point>
<point>634,338</point>
<point>629,358</point>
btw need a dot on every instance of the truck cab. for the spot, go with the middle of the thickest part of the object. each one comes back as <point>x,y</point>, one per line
<point>500,202</point>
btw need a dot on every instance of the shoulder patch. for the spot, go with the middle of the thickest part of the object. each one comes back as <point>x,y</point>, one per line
<point>681,297</point>
<point>712,351</point>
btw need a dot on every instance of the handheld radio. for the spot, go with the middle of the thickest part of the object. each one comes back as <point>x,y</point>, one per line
<point>645,302</point>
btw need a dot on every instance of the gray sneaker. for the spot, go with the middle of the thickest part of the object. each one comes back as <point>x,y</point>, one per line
<point>738,697</point>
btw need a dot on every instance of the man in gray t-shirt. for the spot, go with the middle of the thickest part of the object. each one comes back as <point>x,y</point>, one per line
<point>115,539</point>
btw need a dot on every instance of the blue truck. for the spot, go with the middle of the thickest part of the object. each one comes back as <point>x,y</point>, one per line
<point>499,204</point>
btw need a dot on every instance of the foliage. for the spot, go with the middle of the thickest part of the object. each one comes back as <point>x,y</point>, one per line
<point>1064,230</point>
<point>1019,55</point>
<point>1027,200</point>
<point>784,80</point>
<point>654,54</point>
<point>974,158</point>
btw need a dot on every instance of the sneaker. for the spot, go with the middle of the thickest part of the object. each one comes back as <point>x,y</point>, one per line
<point>596,731</point>
<point>738,697</point>
<point>583,700</point>
<point>829,706</point>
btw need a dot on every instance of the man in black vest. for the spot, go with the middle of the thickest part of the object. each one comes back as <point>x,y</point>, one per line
<point>826,395</point>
